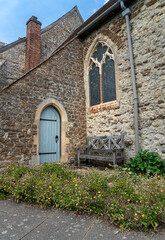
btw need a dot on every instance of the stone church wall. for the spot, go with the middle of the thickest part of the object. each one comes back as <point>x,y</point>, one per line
<point>61,78</point>
<point>53,38</point>
<point>19,104</point>
<point>12,63</point>
<point>147,27</point>
<point>12,60</point>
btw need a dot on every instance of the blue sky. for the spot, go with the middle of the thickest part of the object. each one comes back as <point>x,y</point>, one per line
<point>15,13</point>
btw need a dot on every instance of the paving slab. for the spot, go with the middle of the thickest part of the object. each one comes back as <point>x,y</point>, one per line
<point>29,222</point>
<point>16,220</point>
<point>103,231</point>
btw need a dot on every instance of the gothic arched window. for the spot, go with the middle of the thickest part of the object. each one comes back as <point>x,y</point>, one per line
<point>102,82</point>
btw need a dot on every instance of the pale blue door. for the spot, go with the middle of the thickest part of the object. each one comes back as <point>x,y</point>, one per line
<point>49,148</point>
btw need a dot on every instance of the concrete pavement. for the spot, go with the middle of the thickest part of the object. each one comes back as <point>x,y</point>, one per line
<point>30,222</point>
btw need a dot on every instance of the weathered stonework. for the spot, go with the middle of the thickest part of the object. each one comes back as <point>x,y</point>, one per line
<point>147,21</point>
<point>20,102</point>
<point>53,38</point>
<point>62,80</point>
<point>13,64</point>
<point>12,59</point>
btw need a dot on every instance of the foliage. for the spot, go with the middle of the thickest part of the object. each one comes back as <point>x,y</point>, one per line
<point>146,162</point>
<point>128,200</point>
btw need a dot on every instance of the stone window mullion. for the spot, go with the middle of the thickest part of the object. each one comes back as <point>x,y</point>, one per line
<point>102,81</point>
<point>101,85</point>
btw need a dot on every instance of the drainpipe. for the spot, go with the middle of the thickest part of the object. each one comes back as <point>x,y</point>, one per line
<point>126,13</point>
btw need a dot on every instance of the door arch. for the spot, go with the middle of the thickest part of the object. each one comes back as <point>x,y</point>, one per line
<point>49,140</point>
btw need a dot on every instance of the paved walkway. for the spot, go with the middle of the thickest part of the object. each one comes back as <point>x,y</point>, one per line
<point>29,222</point>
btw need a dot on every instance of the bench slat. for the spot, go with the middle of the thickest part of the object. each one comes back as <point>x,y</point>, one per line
<point>98,157</point>
<point>111,145</point>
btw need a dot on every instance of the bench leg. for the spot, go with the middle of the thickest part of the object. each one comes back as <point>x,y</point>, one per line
<point>78,157</point>
<point>123,156</point>
<point>114,159</point>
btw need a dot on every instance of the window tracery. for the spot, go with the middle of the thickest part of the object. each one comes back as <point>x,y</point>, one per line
<point>102,83</point>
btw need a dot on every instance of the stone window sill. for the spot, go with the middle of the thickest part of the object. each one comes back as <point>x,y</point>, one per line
<point>104,106</point>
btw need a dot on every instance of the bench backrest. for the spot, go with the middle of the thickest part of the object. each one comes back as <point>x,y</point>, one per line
<point>105,143</point>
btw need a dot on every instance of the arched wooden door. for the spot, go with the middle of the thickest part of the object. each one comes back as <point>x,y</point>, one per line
<point>49,148</point>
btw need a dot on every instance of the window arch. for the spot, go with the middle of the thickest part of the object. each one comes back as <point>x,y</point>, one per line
<point>102,82</point>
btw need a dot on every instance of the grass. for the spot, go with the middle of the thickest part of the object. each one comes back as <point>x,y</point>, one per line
<point>128,200</point>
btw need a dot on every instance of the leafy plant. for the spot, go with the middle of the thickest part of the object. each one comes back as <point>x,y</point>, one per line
<point>125,198</point>
<point>146,162</point>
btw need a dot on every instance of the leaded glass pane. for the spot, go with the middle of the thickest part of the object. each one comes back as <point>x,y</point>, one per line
<point>94,82</point>
<point>110,51</point>
<point>102,61</point>
<point>99,52</point>
<point>109,84</point>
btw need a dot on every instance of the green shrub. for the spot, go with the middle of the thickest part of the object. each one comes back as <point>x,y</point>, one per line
<point>146,162</point>
<point>128,200</point>
<point>141,200</point>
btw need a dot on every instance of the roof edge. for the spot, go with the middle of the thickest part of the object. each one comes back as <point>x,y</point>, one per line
<point>21,40</point>
<point>10,45</point>
<point>79,14</point>
<point>112,6</point>
<point>104,10</point>
<point>50,26</point>
<point>99,17</point>
<point>63,45</point>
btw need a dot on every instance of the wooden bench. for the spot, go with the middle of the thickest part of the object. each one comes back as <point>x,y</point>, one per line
<point>103,148</point>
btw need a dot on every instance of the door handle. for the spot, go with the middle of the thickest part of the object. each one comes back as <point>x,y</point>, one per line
<point>56,138</point>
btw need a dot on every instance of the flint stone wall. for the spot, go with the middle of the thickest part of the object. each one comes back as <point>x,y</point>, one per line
<point>19,104</point>
<point>148,35</point>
